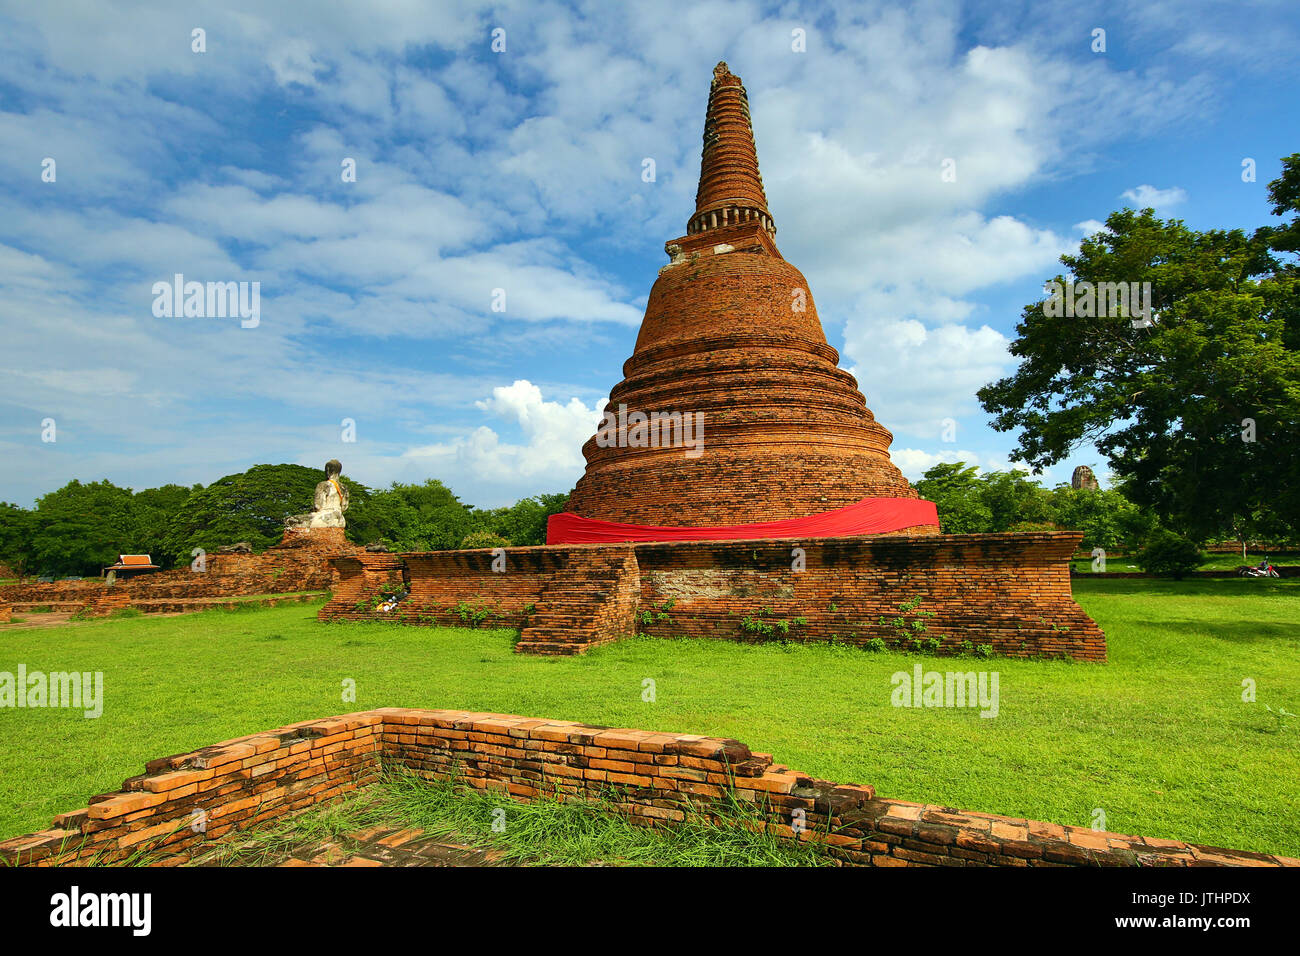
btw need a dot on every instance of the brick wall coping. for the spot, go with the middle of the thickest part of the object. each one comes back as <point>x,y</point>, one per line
<point>253,779</point>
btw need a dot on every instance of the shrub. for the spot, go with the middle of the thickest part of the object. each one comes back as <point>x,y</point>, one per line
<point>483,539</point>
<point>1169,555</point>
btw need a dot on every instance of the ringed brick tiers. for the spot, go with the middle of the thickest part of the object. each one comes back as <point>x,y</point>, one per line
<point>731,336</point>
<point>1008,591</point>
<point>181,804</point>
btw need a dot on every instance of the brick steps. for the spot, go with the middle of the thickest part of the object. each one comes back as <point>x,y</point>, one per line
<point>591,600</point>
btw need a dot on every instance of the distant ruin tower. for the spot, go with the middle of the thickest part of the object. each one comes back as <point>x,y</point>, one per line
<point>1084,478</point>
<point>731,335</point>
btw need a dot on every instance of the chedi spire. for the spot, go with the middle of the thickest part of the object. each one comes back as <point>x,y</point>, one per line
<point>731,186</point>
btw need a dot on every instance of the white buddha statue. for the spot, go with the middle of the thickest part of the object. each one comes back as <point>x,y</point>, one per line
<point>331,501</point>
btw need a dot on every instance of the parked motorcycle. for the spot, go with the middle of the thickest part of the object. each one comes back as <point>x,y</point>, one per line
<point>1261,570</point>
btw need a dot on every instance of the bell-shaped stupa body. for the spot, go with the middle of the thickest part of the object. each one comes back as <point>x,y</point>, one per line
<point>772,428</point>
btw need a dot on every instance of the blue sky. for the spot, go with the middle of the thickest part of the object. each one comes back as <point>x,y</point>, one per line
<point>522,170</point>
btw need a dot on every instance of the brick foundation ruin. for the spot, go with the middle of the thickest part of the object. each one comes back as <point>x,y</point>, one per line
<point>301,562</point>
<point>1010,592</point>
<point>181,804</point>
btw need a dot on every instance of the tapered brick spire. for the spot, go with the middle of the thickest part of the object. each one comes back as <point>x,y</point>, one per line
<point>731,187</point>
<point>731,339</point>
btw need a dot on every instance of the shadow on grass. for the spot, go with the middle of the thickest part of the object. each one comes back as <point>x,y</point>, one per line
<point>1188,587</point>
<point>1229,632</point>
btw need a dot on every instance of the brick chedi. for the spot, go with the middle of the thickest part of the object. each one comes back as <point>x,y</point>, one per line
<point>777,512</point>
<point>731,338</point>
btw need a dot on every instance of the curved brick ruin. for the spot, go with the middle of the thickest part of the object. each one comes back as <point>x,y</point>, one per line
<point>652,777</point>
<point>731,335</point>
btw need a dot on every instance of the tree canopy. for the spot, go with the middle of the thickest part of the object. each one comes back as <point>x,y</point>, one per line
<point>1199,413</point>
<point>250,506</point>
<point>81,528</point>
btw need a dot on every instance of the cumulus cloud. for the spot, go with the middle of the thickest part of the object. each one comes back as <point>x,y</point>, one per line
<point>1148,195</point>
<point>546,457</point>
<point>915,377</point>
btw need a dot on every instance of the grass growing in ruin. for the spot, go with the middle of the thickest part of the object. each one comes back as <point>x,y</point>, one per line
<point>1159,739</point>
<point>542,832</point>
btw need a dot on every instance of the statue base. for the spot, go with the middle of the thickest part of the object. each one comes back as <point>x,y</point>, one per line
<point>322,538</point>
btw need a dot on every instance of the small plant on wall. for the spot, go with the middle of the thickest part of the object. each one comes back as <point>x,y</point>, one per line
<point>905,633</point>
<point>760,624</point>
<point>658,615</point>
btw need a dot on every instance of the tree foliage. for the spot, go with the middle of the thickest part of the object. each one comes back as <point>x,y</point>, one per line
<point>972,503</point>
<point>1170,555</point>
<point>81,528</point>
<point>250,506</point>
<point>1170,405</point>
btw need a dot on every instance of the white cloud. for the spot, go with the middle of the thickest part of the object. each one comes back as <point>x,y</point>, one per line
<point>914,377</point>
<point>1148,195</point>
<point>496,471</point>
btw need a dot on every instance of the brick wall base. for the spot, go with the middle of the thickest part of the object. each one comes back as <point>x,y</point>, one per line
<point>302,562</point>
<point>181,803</point>
<point>1008,592</point>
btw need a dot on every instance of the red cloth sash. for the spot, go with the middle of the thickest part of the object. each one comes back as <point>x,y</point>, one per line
<point>868,516</point>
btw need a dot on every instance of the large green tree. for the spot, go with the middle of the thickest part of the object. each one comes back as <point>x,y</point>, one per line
<point>954,487</point>
<point>15,537</point>
<point>1199,413</point>
<point>251,506</point>
<point>153,511</point>
<point>1107,519</point>
<point>81,528</point>
<point>424,517</point>
<point>524,522</point>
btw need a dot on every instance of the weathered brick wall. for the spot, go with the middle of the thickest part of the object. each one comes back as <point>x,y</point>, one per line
<point>655,778</point>
<point>301,563</point>
<point>447,588</point>
<point>1008,591</point>
<point>182,801</point>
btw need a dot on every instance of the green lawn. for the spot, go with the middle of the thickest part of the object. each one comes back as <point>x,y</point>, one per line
<point>1159,738</point>
<point>1213,562</point>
